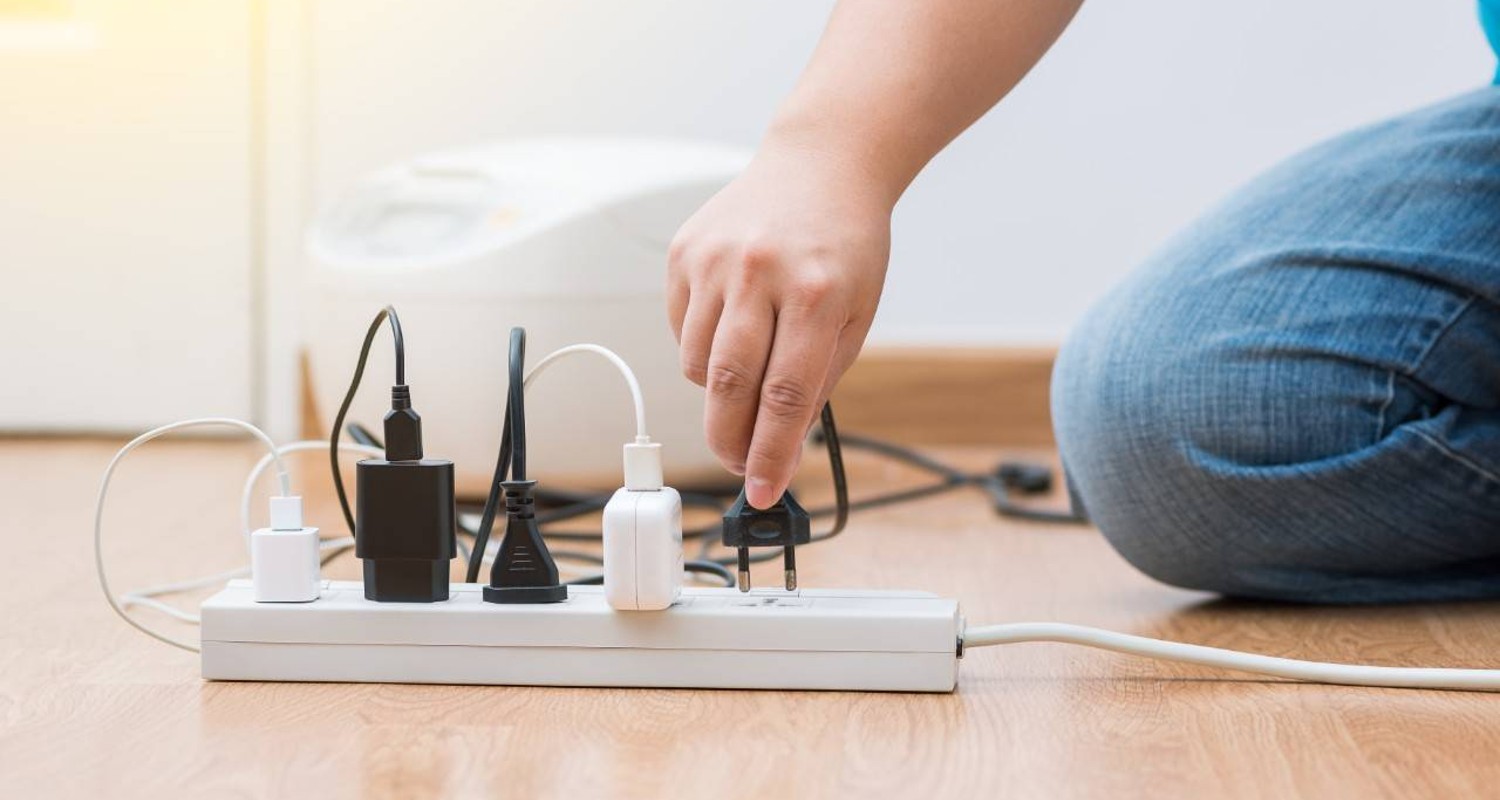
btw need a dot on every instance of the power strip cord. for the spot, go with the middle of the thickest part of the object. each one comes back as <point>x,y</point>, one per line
<point>1486,680</point>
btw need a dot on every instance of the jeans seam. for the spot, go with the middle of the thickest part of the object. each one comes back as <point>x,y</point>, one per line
<point>1442,332</point>
<point>1390,397</point>
<point>1457,456</point>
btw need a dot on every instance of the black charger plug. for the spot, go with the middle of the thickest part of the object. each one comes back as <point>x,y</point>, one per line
<point>785,524</point>
<point>404,513</point>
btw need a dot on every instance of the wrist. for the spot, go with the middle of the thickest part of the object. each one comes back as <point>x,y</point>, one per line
<point>847,154</point>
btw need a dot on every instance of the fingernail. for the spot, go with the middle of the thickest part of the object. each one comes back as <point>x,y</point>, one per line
<point>736,469</point>
<point>760,493</point>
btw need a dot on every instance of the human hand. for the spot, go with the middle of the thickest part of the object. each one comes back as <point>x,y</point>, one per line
<point>771,290</point>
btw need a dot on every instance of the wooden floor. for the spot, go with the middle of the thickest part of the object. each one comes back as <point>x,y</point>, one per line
<point>91,708</point>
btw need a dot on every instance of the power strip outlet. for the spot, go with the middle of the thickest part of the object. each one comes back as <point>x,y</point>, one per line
<point>828,639</point>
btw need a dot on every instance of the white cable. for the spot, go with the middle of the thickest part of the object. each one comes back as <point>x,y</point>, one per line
<point>144,597</point>
<point>613,358</point>
<point>281,473</point>
<point>1311,671</point>
<point>294,447</point>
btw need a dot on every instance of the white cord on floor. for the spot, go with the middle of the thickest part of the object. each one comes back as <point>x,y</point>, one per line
<point>1311,671</point>
<point>613,358</point>
<point>114,603</point>
<point>146,597</point>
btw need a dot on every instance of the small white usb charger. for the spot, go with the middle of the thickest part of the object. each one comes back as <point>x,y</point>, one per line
<point>643,535</point>
<point>284,565</point>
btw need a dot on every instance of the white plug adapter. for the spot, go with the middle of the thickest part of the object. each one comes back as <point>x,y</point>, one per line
<point>284,564</point>
<point>643,549</point>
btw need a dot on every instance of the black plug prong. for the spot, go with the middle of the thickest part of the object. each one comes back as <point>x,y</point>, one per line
<point>744,553</point>
<point>789,563</point>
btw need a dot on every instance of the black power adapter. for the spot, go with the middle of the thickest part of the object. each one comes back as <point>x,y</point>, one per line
<point>403,521</point>
<point>404,514</point>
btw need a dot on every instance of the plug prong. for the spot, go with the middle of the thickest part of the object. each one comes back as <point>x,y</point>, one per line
<point>744,553</point>
<point>789,563</point>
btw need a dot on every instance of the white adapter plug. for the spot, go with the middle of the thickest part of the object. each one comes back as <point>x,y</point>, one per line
<point>284,564</point>
<point>643,536</point>
<point>643,549</point>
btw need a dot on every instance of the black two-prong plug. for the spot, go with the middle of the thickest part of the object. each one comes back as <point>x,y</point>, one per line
<point>785,525</point>
<point>524,571</point>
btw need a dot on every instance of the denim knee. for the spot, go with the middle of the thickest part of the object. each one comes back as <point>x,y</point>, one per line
<point>1298,397</point>
<point>1115,408</point>
<point>1180,426</point>
<point>1223,450</point>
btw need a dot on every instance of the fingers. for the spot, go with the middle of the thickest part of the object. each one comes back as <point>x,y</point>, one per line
<point>697,334</point>
<point>677,304</point>
<point>801,355</point>
<point>736,366</point>
<point>850,340</point>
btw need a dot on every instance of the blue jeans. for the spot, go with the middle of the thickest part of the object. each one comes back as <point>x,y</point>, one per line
<point>1299,397</point>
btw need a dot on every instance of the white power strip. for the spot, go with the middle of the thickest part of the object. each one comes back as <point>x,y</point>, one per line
<point>835,639</point>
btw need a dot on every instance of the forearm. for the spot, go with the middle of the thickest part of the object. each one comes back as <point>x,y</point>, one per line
<point>893,81</point>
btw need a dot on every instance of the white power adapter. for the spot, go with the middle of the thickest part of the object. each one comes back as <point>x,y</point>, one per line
<point>643,535</point>
<point>284,564</point>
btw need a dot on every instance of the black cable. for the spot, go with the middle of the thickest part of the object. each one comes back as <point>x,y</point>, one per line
<point>512,451</point>
<point>995,484</point>
<point>362,435</point>
<point>840,478</point>
<point>491,504</point>
<point>400,343</point>
<point>897,452</point>
<point>387,313</point>
<point>516,404</point>
<point>1000,496</point>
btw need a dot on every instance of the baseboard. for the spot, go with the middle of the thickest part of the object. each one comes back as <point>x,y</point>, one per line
<point>916,395</point>
<point>930,395</point>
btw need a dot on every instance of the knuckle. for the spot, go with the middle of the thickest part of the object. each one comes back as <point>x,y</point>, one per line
<point>812,289</point>
<point>678,250</point>
<point>786,399</point>
<point>693,370</point>
<point>759,255</point>
<point>729,381</point>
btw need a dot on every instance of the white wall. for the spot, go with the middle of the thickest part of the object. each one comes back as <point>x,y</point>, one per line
<point>126,216</point>
<point>1146,112</point>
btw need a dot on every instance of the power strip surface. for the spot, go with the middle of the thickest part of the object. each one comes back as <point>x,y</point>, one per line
<point>818,639</point>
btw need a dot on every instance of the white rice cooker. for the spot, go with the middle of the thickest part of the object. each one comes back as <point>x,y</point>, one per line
<point>566,237</point>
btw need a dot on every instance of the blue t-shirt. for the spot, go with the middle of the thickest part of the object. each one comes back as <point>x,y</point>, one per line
<point>1489,16</point>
